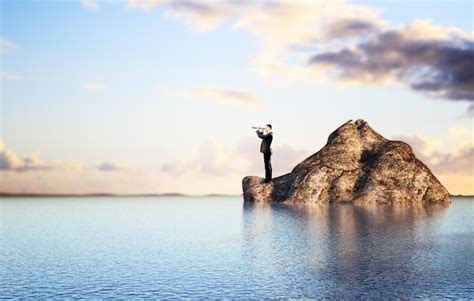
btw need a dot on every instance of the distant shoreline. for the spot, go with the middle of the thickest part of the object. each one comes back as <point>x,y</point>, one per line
<point>81,195</point>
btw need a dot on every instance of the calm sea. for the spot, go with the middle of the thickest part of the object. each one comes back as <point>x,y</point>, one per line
<point>215,247</point>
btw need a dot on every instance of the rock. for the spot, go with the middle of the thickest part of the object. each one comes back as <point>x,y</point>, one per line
<point>357,165</point>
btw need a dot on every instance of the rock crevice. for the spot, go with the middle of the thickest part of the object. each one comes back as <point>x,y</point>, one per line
<point>357,165</point>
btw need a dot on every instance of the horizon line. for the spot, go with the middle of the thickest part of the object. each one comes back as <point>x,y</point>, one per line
<point>106,194</point>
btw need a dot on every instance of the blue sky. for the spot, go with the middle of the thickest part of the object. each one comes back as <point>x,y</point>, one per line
<point>141,85</point>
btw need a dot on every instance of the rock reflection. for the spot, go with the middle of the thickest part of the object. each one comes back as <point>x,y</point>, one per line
<point>349,250</point>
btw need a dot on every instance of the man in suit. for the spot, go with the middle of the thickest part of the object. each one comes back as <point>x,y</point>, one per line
<point>267,138</point>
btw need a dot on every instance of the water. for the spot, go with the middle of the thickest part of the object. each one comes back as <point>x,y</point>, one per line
<point>215,247</point>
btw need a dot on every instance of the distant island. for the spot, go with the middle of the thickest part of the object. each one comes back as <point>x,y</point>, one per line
<point>174,194</point>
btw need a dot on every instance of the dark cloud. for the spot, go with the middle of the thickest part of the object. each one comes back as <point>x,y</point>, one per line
<point>440,68</point>
<point>347,28</point>
<point>110,166</point>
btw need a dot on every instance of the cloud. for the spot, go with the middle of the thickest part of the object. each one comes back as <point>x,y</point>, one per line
<point>210,158</point>
<point>440,67</point>
<point>458,162</point>
<point>90,4</point>
<point>470,111</point>
<point>278,23</point>
<point>281,26</point>
<point>111,166</point>
<point>32,174</point>
<point>348,28</point>
<point>177,167</point>
<point>201,15</point>
<point>88,180</point>
<point>329,42</point>
<point>215,159</point>
<point>460,131</point>
<point>11,161</point>
<point>8,75</point>
<point>424,149</point>
<point>92,86</point>
<point>284,158</point>
<point>227,96</point>
<point>7,46</point>
<point>145,5</point>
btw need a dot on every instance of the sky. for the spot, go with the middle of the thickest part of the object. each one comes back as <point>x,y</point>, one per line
<point>157,96</point>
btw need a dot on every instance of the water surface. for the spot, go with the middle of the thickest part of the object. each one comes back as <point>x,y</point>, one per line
<point>216,247</point>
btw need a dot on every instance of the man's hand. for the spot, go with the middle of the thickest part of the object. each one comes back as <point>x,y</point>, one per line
<point>262,135</point>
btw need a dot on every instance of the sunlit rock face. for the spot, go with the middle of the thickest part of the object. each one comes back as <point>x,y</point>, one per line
<point>357,165</point>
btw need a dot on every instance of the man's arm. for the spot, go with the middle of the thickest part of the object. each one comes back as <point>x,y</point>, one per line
<point>261,135</point>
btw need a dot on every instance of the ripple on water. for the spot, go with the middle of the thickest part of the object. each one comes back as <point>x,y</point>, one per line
<point>218,248</point>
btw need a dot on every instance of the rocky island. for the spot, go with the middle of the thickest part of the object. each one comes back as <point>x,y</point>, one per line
<point>357,165</point>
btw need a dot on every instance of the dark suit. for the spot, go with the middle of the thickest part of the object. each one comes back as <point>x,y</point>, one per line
<point>265,148</point>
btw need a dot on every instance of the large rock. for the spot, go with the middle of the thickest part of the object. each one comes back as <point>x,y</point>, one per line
<point>357,165</point>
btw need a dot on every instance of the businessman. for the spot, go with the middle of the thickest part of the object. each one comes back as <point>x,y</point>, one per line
<point>267,138</point>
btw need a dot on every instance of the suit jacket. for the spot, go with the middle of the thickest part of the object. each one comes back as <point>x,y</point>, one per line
<point>266,142</point>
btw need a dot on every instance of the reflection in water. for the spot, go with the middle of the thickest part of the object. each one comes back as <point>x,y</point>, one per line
<point>209,248</point>
<point>347,250</point>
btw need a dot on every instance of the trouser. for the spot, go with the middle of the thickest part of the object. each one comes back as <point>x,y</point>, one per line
<point>268,166</point>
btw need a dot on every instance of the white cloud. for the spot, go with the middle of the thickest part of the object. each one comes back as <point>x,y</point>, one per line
<point>111,166</point>
<point>336,42</point>
<point>33,174</point>
<point>92,86</point>
<point>88,180</point>
<point>284,158</point>
<point>6,45</point>
<point>223,95</point>
<point>90,4</point>
<point>145,5</point>
<point>11,161</point>
<point>461,131</point>
<point>8,75</point>
<point>458,162</point>
<point>210,157</point>
<point>214,158</point>
<point>470,111</point>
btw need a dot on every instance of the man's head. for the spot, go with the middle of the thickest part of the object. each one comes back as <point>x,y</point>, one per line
<point>269,127</point>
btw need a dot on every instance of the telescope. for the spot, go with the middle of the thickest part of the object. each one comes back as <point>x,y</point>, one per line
<point>259,128</point>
